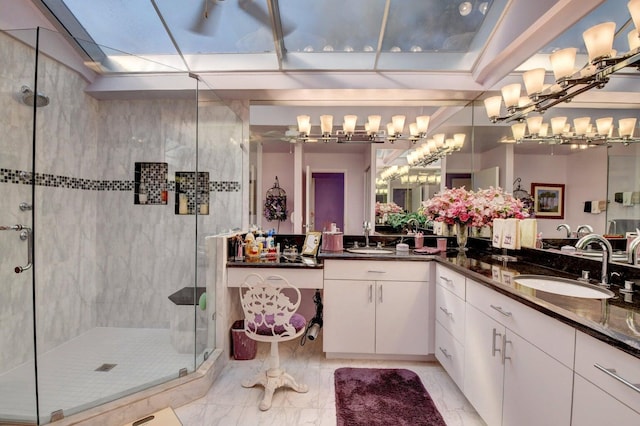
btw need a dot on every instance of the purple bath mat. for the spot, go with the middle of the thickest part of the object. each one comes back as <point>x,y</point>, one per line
<point>376,396</point>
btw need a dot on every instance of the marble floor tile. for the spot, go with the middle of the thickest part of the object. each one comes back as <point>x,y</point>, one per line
<point>228,403</point>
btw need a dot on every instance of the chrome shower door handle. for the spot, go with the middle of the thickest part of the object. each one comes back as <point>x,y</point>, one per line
<point>25,234</point>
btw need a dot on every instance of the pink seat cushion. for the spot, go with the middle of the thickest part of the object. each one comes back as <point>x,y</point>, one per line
<point>297,321</point>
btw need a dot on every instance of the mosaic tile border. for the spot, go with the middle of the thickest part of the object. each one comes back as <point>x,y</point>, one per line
<point>55,181</point>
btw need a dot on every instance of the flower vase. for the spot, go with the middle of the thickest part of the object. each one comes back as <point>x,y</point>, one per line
<point>462,233</point>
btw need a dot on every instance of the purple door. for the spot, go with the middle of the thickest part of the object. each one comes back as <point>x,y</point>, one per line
<point>328,200</point>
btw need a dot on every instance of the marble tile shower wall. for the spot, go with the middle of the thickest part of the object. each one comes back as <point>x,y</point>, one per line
<point>65,218</point>
<point>100,260</point>
<point>150,251</point>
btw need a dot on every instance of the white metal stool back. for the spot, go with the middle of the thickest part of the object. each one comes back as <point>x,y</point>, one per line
<point>270,316</point>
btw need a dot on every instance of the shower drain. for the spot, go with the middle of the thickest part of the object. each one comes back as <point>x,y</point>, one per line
<point>105,367</point>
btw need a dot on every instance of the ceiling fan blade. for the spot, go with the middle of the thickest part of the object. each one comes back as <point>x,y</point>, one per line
<point>206,20</point>
<point>261,16</point>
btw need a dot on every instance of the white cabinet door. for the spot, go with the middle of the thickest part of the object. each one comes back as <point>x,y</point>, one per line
<point>402,317</point>
<point>594,407</point>
<point>537,388</point>
<point>483,369</point>
<point>349,316</point>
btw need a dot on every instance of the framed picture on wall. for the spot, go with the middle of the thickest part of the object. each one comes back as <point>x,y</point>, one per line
<point>548,200</point>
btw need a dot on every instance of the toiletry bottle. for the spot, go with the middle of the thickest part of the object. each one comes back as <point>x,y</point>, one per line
<point>183,203</point>
<point>269,241</point>
<point>260,240</point>
<point>142,193</point>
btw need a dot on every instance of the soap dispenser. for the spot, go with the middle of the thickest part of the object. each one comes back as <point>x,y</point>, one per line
<point>142,193</point>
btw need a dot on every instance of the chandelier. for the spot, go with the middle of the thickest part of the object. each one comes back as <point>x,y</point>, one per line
<point>583,132</point>
<point>435,148</point>
<point>603,62</point>
<point>371,132</point>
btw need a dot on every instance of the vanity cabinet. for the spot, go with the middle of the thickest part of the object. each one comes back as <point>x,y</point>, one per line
<point>601,395</point>
<point>450,322</point>
<point>518,366</point>
<point>377,307</point>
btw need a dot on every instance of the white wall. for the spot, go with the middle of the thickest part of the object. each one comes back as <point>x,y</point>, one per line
<point>500,157</point>
<point>584,175</point>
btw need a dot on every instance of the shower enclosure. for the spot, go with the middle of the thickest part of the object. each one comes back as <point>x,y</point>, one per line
<point>102,272</point>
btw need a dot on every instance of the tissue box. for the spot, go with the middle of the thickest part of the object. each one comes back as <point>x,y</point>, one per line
<point>332,241</point>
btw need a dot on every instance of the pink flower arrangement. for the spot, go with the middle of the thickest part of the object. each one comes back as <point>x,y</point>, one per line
<point>499,204</point>
<point>459,206</point>
<point>387,208</point>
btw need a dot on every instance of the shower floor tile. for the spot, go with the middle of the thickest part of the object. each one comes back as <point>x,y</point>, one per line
<point>68,379</point>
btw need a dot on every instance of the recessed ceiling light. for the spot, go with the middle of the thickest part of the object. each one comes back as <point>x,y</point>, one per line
<point>465,8</point>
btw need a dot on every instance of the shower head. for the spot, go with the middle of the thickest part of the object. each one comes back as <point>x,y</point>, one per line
<point>28,97</point>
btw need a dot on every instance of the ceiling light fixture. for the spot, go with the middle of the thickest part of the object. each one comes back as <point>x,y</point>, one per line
<point>465,8</point>
<point>370,133</point>
<point>603,62</point>
<point>583,132</point>
<point>437,147</point>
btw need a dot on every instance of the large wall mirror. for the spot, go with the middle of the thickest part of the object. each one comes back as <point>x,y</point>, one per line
<point>277,151</point>
<point>595,176</point>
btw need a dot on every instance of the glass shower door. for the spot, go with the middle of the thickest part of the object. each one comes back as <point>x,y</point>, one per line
<point>18,402</point>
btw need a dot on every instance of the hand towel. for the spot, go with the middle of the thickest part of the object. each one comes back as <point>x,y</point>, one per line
<point>496,238</point>
<point>635,197</point>
<point>595,207</point>
<point>602,205</point>
<point>511,234</point>
<point>626,198</point>
<point>587,206</point>
<point>528,233</point>
<point>437,228</point>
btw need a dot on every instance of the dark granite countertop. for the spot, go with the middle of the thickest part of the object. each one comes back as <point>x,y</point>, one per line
<point>615,321</point>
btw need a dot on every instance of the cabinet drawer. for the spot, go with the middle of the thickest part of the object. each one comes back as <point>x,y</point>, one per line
<point>450,353</point>
<point>451,280</point>
<point>450,312</point>
<point>297,277</point>
<point>383,270</point>
<point>592,356</point>
<point>549,335</point>
<point>594,407</point>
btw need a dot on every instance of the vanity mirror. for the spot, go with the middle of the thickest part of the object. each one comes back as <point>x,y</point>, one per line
<point>589,174</point>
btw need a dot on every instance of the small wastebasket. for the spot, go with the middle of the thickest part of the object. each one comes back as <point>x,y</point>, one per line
<point>242,346</point>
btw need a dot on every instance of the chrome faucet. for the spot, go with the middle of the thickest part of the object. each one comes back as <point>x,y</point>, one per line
<point>607,251</point>
<point>366,226</point>
<point>581,228</point>
<point>415,224</point>
<point>566,227</point>
<point>632,254</point>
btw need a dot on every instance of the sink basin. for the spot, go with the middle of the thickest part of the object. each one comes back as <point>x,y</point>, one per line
<point>563,286</point>
<point>365,250</point>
